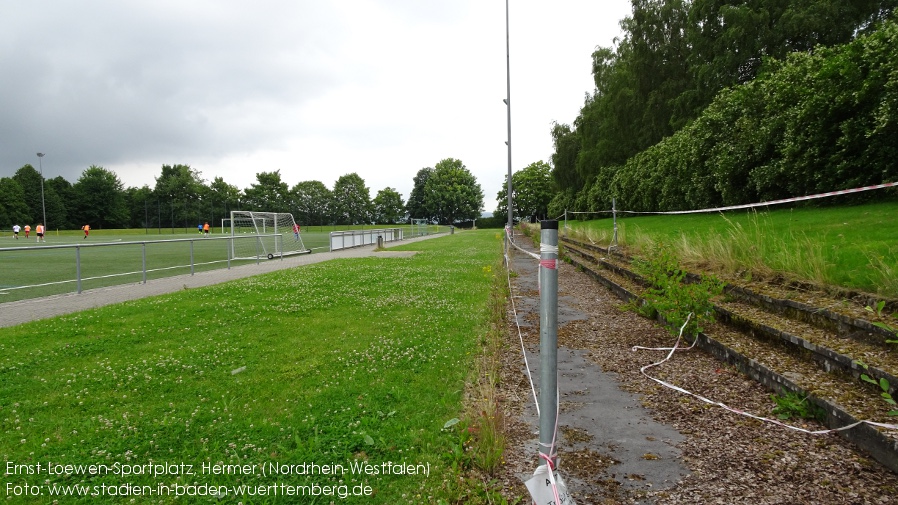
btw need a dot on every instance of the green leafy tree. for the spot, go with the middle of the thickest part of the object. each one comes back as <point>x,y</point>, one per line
<point>176,187</point>
<point>564,159</point>
<point>388,207</point>
<point>606,133</point>
<point>223,198</point>
<point>61,202</point>
<point>452,193</point>
<point>141,207</point>
<point>657,50</point>
<point>352,200</point>
<point>311,202</point>
<point>57,214</point>
<point>636,85</point>
<point>532,189</point>
<point>101,199</point>
<point>268,194</point>
<point>29,179</point>
<point>730,39</point>
<point>417,200</point>
<point>13,209</point>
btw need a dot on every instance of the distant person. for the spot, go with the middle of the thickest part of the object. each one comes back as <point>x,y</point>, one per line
<point>27,230</point>
<point>206,228</point>
<point>40,232</point>
<point>199,228</point>
<point>15,231</point>
<point>295,232</point>
<point>86,229</point>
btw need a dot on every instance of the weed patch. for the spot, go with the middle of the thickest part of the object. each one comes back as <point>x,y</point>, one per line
<point>796,406</point>
<point>671,296</point>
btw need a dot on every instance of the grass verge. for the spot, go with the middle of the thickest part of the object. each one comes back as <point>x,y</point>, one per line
<point>342,375</point>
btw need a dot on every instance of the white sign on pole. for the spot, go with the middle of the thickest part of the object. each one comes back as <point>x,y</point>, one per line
<point>544,488</point>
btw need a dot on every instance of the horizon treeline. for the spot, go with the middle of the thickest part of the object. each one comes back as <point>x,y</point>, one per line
<point>182,198</point>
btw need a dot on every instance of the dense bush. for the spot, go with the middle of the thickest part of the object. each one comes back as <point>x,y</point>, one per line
<point>813,122</point>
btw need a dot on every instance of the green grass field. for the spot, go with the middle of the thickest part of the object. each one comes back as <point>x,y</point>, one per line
<point>36,271</point>
<point>855,247</point>
<point>348,362</point>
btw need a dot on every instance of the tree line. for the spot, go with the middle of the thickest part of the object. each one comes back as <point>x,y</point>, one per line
<point>705,103</point>
<point>182,198</point>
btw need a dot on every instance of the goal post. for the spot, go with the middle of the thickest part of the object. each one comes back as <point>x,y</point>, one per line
<point>419,227</point>
<point>264,234</point>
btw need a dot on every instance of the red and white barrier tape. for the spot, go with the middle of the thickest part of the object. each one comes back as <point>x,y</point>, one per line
<point>759,204</point>
<point>552,263</point>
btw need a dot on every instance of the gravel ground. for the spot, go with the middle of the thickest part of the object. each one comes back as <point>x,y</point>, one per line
<point>730,458</point>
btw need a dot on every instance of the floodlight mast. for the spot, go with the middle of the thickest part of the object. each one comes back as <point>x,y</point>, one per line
<point>508,107</point>
<point>40,165</point>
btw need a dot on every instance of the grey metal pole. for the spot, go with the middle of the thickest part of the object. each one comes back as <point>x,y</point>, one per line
<point>144,262</point>
<point>77,264</point>
<point>548,339</point>
<point>614,213</point>
<point>40,163</point>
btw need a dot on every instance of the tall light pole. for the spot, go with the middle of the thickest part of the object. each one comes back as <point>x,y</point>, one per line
<point>508,106</point>
<point>40,164</point>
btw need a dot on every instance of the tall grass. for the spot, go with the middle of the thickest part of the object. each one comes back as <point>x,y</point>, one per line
<point>486,412</point>
<point>754,250</point>
<point>851,247</point>
<point>886,266</point>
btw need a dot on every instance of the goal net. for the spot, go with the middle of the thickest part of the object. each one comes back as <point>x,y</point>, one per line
<point>419,227</point>
<point>264,234</point>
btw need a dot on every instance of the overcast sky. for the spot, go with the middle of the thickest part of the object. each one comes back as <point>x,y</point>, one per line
<point>316,89</point>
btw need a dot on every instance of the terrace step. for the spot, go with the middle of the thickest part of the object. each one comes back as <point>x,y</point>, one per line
<point>786,345</point>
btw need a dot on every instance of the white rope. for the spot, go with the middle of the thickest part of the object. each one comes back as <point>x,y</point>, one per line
<point>731,409</point>
<point>533,255</point>
<point>548,249</point>
<point>514,312</point>
<point>589,211</point>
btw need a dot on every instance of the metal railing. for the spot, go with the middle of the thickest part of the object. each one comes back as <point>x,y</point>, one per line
<point>356,238</point>
<point>12,259</point>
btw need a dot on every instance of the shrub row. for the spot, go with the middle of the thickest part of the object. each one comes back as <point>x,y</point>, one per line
<point>811,123</point>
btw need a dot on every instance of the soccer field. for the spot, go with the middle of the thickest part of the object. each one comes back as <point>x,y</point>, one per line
<point>31,269</point>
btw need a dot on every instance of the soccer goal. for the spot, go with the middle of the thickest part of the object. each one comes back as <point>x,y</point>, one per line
<point>264,234</point>
<point>419,227</point>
